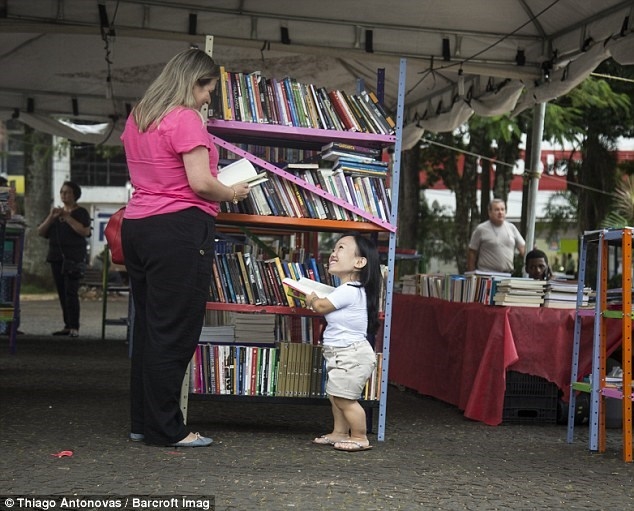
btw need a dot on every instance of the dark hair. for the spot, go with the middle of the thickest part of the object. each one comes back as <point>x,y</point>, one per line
<point>538,254</point>
<point>370,278</point>
<point>74,187</point>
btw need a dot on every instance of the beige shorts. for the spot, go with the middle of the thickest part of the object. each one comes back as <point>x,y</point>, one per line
<point>348,369</point>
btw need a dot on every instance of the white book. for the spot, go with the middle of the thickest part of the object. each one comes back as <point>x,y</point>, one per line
<point>554,304</point>
<point>522,283</point>
<point>306,286</point>
<point>240,171</point>
<point>489,273</point>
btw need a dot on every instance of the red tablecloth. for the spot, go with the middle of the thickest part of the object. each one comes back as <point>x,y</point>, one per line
<point>460,352</point>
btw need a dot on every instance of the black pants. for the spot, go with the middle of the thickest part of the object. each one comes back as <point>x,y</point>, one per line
<point>168,258</point>
<point>68,292</point>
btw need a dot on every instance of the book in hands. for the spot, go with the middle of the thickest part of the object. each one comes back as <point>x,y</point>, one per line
<point>303,287</point>
<point>240,171</point>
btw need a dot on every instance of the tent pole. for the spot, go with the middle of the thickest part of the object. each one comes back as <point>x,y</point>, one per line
<point>539,113</point>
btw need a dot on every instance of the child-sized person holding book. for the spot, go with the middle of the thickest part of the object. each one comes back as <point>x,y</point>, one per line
<point>352,314</point>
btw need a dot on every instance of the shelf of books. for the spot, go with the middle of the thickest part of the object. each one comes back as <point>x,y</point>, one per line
<point>600,385</point>
<point>320,171</point>
<point>11,249</point>
<point>295,137</point>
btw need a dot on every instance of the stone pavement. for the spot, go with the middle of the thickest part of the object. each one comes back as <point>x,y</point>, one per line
<point>72,394</point>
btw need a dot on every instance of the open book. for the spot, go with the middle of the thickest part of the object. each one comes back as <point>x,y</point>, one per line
<point>303,287</point>
<point>240,171</point>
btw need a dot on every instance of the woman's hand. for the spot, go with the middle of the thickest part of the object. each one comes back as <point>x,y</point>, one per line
<point>204,184</point>
<point>240,192</point>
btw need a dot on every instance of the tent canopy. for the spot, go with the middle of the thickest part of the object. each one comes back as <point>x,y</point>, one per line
<point>91,60</point>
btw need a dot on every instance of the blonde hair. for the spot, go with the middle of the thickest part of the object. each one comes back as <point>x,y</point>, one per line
<point>174,87</point>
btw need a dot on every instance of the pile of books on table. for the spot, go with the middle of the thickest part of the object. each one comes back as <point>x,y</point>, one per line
<point>563,295</point>
<point>498,289</point>
<point>519,292</point>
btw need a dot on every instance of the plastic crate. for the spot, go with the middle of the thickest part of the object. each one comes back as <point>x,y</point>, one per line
<point>529,400</point>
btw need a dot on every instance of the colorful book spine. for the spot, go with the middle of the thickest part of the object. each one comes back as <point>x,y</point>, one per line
<point>290,99</point>
<point>328,107</point>
<point>340,109</point>
<point>384,114</point>
<point>252,100</point>
<point>225,93</point>
<point>282,103</point>
<point>355,112</point>
<point>300,104</point>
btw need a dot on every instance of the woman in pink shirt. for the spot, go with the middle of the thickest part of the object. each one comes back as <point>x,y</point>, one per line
<point>168,240</point>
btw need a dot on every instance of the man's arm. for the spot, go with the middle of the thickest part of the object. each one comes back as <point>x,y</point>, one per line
<point>520,243</point>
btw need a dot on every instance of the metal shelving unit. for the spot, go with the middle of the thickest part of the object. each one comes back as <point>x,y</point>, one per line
<point>223,131</point>
<point>11,250</point>
<point>597,388</point>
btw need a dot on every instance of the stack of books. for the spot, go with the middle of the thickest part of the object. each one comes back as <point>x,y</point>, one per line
<point>563,295</point>
<point>218,334</point>
<point>470,287</point>
<point>519,292</point>
<point>254,328</point>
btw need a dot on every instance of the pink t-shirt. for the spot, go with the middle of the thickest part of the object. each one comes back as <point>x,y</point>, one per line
<point>155,164</point>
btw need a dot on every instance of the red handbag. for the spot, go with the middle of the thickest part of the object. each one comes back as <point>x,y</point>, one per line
<point>113,236</point>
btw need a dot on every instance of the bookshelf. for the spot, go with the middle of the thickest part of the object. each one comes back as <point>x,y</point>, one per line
<point>226,134</point>
<point>11,249</point>
<point>598,388</point>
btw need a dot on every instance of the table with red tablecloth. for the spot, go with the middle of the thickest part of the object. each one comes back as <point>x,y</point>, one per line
<point>460,352</point>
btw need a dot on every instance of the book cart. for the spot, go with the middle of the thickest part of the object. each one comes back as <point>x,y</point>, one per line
<point>597,387</point>
<point>11,249</point>
<point>224,134</point>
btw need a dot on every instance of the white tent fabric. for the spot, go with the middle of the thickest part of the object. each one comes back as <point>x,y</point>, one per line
<point>458,115</point>
<point>622,50</point>
<point>562,80</point>
<point>499,101</point>
<point>106,134</point>
<point>89,60</point>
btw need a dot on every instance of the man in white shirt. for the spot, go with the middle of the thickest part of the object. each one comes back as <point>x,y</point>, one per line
<point>493,242</point>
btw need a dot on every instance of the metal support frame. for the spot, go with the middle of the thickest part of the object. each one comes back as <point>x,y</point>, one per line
<point>598,390</point>
<point>391,255</point>
<point>539,113</point>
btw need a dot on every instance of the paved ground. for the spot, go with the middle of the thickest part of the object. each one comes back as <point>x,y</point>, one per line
<point>65,394</point>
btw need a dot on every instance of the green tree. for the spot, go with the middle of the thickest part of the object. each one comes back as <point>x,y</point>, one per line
<point>622,211</point>
<point>440,162</point>
<point>593,115</point>
<point>409,209</point>
<point>38,172</point>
